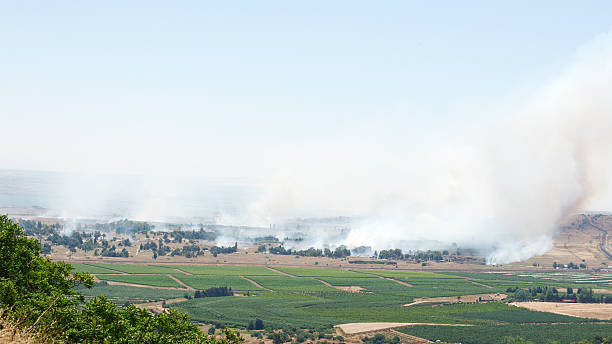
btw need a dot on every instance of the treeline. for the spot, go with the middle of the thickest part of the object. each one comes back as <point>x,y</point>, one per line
<point>571,265</point>
<point>214,292</point>
<point>188,251</point>
<point>88,242</point>
<point>159,249</point>
<point>215,250</point>
<point>112,252</point>
<point>416,256</point>
<point>552,294</point>
<point>37,228</point>
<point>379,262</point>
<point>120,227</point>
<point>179,235</point>
<point>39,295</point>
<point>255,325</point>
<point>339,252</point>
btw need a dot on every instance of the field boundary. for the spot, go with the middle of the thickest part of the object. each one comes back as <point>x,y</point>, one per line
<point>280,272</point>
<point>141,285</point>
<point>181,282</point>
<point>255,283</point>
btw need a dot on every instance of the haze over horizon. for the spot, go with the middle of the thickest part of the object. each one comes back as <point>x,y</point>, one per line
<point>457,124</point>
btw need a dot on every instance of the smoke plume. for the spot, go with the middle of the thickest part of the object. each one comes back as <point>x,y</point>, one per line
<point>502,186</point>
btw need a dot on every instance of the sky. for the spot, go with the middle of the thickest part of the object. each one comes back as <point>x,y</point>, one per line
<point>227,89</point>
<point>479,123</point>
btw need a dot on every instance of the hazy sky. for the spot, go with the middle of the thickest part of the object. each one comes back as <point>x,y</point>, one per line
<point>224,88</point>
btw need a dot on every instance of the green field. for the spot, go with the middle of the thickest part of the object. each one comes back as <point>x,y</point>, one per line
<point>138,269</point>
<point>151,280</point>
<point>320,272</point>
<point>226,270</point>
<point>306,302</point>
<point>295,284</point>
<point>209,281</point>
<point>121,295</point>
<point>541,333</point>
<point>91,269</point>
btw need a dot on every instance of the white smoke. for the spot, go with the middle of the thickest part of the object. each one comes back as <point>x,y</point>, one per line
<point>501,184</point>
<point>503,187</point>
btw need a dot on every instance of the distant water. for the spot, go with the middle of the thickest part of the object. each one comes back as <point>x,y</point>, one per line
<point>79,195</point>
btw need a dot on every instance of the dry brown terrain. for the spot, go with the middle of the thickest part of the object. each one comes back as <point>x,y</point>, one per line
<point>156,307</point>
<point>357,328</point>
<point>455,299</point>
<point>601,311</point>
<point>577,242</point>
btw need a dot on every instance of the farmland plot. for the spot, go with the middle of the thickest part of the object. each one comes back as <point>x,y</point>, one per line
<point>150,280</point>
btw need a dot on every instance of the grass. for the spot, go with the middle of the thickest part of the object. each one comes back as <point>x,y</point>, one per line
<point>121,295</point>
<point>277,310</point>
<point>228,270</point>
<point>151,280</point>
<point>405,274</point>
<point>91,269</point>
<point>484,313</point>
<point>305,302</point>
<point>295,284</point>
<point>208,281</point>
<point>544,333</point>
<point>320,272</point>
<point>137,269</point>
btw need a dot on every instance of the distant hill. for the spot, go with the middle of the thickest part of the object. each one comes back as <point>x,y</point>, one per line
<point>584,238</point>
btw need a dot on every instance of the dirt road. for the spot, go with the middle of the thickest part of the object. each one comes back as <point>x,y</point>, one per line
<point>350,289</point>
<point>604,237</point>
<point>255,283</point>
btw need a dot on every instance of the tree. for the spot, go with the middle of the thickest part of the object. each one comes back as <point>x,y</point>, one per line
<point>39,294</point>
<point>30,283</point>
<point>259,325</point>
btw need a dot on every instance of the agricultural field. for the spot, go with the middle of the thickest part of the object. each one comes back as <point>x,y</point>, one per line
<point>564,279</point>
<point>147,280</point>
<point>320,272</point>
<point>295,284</point>
<point>210,281</point>
<point>226,270</point>
<point>137,269</point>
<point>540,333</point>
<point>317,298</point>
<point>122,295</point>
<point>91,269</point>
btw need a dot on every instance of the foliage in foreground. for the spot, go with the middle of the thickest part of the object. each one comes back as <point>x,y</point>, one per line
<point>40,297</point>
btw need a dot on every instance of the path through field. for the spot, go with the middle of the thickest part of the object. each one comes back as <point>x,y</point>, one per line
<point>350,289</point>
<point>255,283</point>
<point>181,282</point>
<point>604,237</point>
<point>280,272</point>
<point>142,285</point>
<point>183,272</point>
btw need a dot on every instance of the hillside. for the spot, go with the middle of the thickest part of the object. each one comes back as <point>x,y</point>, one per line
<point>584,239</point>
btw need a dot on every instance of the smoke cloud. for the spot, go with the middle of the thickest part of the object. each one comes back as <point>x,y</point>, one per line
<point>502,186</point>
<point>501,182</point>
